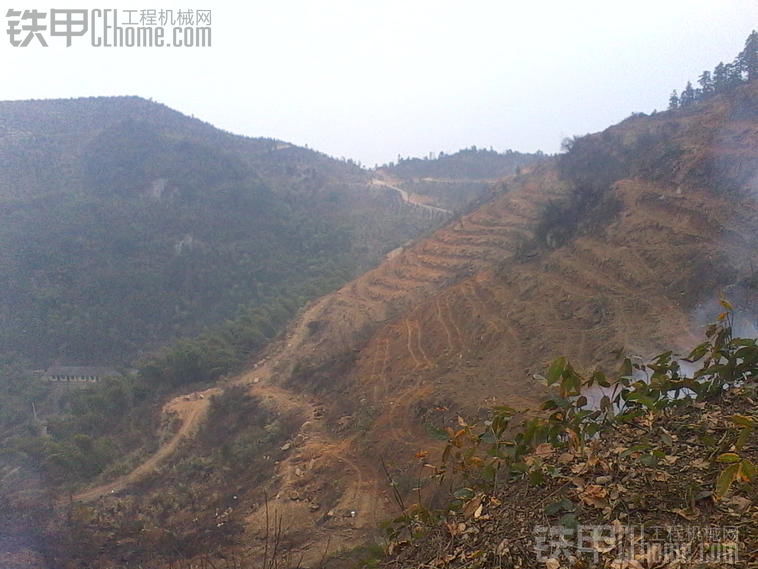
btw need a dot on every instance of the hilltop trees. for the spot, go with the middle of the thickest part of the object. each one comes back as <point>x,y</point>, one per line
<point>725,76</point>
<point>749,57</point>
<point>674,100</point>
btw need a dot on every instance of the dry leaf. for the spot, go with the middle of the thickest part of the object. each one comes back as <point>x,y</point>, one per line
<point>690,515</point>
<point>472,506</point>
<point>578,482</point>
<point>594,495</point>
<point>566,458</point>
<point>579,468</point>
<point>544,449</point>
<point>740,504</point>
<point>661,476</point>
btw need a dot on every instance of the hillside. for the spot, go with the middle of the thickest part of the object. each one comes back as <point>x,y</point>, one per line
<point>645,493</point>
<point>620,245</point>
<point>126,224</point>
<point>454,181</point>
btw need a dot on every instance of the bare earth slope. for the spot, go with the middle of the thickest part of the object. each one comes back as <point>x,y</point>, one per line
<point>460,320</point>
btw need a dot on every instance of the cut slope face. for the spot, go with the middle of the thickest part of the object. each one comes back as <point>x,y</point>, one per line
<point>460,320</point>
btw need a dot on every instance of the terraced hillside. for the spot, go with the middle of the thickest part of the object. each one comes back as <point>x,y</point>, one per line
<point>462,319</point>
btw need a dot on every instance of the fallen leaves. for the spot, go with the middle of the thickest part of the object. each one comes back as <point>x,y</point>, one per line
<point>595,495</point>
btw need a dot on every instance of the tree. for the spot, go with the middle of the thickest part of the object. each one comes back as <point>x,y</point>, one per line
<point>725,77</point>
<point>706,83</point>
<point>673,100</point>
<point>688,96</point>
<point>733,74</point>
<point>720,76</point>
<point>748,58</point>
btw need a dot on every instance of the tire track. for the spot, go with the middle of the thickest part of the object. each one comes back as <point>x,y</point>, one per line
<point>444,326</point>
<point>410,348</point>
<point>419,339</point>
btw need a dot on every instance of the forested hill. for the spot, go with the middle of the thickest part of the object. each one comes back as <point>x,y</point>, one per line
<point>454,181</point>
<point>476,163</point>
<point>125,224</point>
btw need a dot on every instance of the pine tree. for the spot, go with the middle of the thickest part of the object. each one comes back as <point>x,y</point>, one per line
<point>720,76</point>
<point>673,100</point>
<point>725,77</point>
<point>688,96</point>
<point>706,83</point>
<point>733,74</point>
<point>747,60</point>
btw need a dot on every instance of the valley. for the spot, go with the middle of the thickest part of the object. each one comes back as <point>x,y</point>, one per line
<point>449,296</point>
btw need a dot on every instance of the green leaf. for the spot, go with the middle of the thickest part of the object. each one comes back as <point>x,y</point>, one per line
<point>744,421</point>
<point>742,439</point>
<point>698,352</point>
<point>728,457</point>
<point>635,448</point>
<point>556,370</point>
<point>650,459</point>
<point>564,505</point>
<point>536,477</point>
<point>725,480</point>
<point>569,521</point>
<point>626,368</point>
<point>488,437</point>
<point>464,493</point>
<point>749,470</point>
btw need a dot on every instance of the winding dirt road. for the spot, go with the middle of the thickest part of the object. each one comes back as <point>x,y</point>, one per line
<point>408,198</point>
<point>191,411</point>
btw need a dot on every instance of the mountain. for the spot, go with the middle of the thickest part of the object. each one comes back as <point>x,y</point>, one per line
<point>126,224</point>
<point>454,181</point>
<point>622,244</point>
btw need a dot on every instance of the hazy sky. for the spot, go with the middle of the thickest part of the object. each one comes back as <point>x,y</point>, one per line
<point>373,79</point>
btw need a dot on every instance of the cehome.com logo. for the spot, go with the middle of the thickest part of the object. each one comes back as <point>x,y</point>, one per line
<point>108,27</point>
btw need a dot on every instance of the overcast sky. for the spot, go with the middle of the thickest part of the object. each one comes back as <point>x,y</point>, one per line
<point>370,80</point>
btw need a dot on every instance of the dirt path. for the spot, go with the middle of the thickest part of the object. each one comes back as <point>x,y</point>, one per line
<point>317,454</point>
<point>190,410</point>
<point>408,198</point>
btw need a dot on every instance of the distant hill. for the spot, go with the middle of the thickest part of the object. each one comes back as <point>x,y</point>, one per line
<point>124,224</point>
<point>453,181</point>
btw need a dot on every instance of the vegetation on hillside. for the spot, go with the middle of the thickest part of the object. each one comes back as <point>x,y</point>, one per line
<point>658,445</point>
<point>149,226</point>
<point>165,230</point>
<point>473,163</point>
<point>455,181</point>
<point>652,149</point>
<point>725,77</point>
